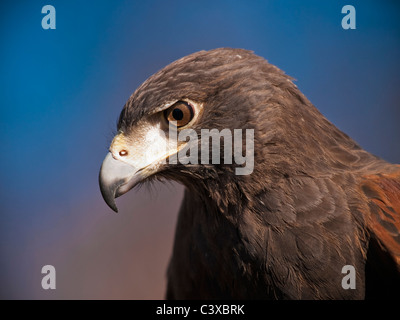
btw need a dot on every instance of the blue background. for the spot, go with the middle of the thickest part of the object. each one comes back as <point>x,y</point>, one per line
<point>61,92</point>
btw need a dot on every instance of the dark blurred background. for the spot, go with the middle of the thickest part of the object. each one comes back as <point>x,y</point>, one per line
<point>62,91</point>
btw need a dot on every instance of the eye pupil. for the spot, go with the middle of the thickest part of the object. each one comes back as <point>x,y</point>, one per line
<point>177,114</point>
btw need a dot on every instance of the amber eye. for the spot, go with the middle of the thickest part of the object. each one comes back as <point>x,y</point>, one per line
<point>181,112</point>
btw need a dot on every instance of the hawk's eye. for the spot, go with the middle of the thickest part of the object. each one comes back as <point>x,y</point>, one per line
<point>181,112</point>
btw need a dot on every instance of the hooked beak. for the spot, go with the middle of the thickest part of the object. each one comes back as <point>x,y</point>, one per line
<point>116,178</point>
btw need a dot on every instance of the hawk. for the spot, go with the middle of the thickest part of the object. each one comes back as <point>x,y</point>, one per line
<point>313,203</point>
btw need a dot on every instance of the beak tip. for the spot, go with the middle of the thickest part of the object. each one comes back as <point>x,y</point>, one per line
<point>109,197</point>
<point>115,179</point>
<point>113,207</point>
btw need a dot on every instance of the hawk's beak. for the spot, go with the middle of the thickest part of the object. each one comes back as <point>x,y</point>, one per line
<point>116,178</point>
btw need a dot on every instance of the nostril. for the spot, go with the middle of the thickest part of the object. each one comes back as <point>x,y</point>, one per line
<point>123,153</point>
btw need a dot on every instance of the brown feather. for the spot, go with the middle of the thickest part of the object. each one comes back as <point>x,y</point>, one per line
<point>383,193</point>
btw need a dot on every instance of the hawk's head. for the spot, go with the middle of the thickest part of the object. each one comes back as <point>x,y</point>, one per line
<point>218,89</point>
